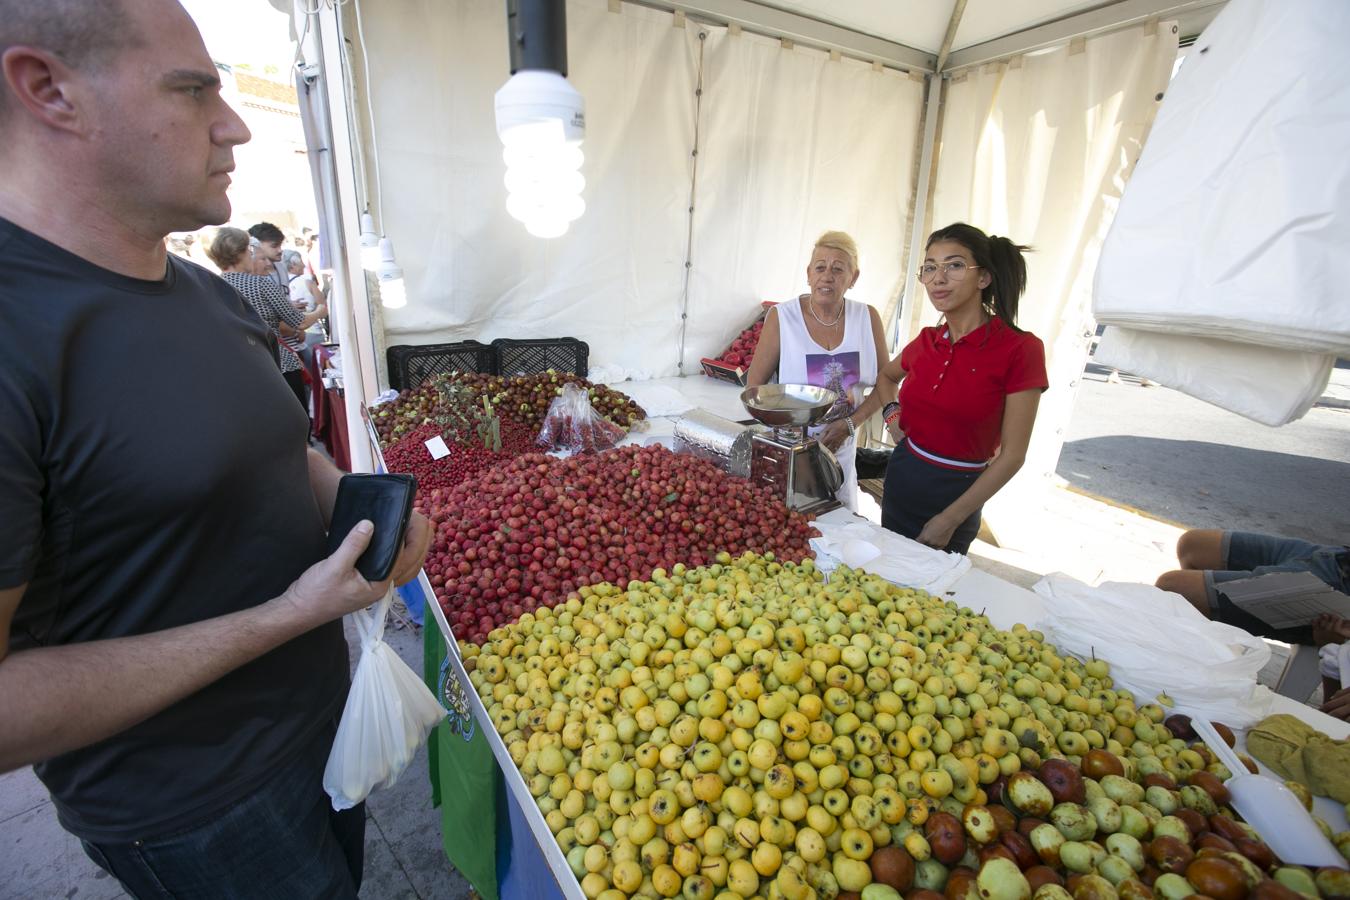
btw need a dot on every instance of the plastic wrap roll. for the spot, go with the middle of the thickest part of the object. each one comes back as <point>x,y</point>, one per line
<point>721,441</point>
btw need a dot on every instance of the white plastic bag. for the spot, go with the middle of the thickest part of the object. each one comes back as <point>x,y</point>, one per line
<point>388,715</point>
<point>897,559</point>
<point>1158,643</point>
<point>572,424</point>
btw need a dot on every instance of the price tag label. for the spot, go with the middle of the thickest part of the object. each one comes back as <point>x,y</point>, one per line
<point>436,447</point>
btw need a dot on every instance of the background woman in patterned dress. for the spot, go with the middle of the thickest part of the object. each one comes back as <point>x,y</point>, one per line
<point>231,251</point>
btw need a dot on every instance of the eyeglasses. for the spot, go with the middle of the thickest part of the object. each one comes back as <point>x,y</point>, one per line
<point>954,270</point>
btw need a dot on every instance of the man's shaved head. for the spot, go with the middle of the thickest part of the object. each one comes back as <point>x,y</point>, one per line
<point>85,34</point>
<point>121,103</point>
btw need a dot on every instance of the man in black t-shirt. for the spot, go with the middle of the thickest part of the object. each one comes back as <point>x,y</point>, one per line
<point>171,653</point>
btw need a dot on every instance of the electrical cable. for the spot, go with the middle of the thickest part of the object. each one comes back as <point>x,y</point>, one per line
<point>370,110</point>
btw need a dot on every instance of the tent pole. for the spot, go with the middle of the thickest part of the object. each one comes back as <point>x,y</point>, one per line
<point>953,24</point>
<point>350,290</point>
<point>693,193</point>
<point>904,318</point>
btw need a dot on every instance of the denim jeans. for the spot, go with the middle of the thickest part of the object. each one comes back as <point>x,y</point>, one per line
<point>1246,555</point>
<point>283,842</point>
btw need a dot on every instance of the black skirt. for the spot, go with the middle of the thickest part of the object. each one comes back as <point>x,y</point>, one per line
<point>917,490</point>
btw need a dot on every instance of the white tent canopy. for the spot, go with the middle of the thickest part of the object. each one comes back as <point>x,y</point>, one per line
<point>722,137</point>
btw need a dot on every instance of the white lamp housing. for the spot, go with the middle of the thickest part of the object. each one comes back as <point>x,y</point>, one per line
<point>541,120</point>
<point>370,243</point>
<point>393,294</point>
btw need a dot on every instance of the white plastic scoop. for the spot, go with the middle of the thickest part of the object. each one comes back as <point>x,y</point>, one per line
<point>1278,816</point>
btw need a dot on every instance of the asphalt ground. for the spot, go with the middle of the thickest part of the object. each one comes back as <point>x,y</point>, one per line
<point>1178,459</point>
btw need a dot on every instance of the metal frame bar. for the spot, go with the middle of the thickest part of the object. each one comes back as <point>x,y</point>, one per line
<point>952,25</point>
<point>922,186</point>
<point>351,301</point>
<point>1096,21</point>
<point>801,29</point>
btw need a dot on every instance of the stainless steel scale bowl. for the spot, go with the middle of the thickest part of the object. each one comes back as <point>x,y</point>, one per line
<point>801,469</point>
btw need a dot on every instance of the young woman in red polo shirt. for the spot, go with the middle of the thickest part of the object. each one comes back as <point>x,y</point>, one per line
<point>968,391</point>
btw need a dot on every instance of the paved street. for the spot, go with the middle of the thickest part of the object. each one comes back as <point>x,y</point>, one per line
<point>1176,458</point>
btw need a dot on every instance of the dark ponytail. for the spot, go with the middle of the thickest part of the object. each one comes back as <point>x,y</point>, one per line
<point>1001,258</point>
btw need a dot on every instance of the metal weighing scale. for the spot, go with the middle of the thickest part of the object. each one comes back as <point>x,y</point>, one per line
<point>799,468</point>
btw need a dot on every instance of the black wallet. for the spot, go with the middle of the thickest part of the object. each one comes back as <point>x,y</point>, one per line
<point>386,500</point>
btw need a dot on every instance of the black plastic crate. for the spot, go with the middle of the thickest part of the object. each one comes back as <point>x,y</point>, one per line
<point>532,356</point>
<point>410,366</point>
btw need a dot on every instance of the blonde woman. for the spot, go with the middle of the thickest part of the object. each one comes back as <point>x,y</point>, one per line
<point>825,339</point>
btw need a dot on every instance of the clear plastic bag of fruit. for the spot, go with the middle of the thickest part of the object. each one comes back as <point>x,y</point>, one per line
<point>389,713</point>
<point>572,425</point>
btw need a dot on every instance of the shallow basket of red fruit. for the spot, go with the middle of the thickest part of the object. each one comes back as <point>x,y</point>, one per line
<point>529,532</point>
<point>734,363</point>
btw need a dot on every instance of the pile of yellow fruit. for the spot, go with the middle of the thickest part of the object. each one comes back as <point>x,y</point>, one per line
<point>747,728</point>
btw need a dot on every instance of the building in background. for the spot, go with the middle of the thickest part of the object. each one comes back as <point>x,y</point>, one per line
<point>272,177</point>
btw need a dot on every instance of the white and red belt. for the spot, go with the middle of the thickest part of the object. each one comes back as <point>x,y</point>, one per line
<point>957,464</point>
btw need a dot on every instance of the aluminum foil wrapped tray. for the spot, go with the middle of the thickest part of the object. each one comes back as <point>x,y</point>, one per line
<point>721,441</point>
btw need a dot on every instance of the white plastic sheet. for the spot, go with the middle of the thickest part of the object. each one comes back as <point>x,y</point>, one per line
<point>897,559</point>
<point>1236,222</point>
<point>388,715</point>
<point>1158,643</point>
<point>1265,384</point>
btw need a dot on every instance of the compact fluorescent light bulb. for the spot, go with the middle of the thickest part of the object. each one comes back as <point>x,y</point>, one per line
<point>393,293</point>
<point>541,121</point>
<point>370,243</point>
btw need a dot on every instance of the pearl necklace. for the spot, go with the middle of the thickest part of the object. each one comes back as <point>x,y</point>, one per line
<point>811,307</point>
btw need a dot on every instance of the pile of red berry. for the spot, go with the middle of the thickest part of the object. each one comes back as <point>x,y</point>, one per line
<point>410,456</point>
<point>527,533</point>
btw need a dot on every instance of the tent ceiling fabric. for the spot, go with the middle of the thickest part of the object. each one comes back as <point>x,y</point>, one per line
<point>988,19</point>
<point>916,23</point>
<point>923,23</point>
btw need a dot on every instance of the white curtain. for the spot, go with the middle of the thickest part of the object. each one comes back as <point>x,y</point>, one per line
<point>1039,149</point>
<point>792,144</point>
<point>616,278</point>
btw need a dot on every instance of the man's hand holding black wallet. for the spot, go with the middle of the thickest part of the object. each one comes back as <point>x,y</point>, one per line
<point>386,501</point>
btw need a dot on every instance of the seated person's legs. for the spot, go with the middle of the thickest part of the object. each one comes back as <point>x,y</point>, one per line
<point>1202,548</point>
<point>1189,584</point>
<point>1250,552</point>
<point>1210,557</point>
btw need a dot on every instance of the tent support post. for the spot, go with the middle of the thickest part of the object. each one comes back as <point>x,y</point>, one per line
<point>904,318</point>
<point>693,194</point>
<point>950,37</point>
<point>342,230</point>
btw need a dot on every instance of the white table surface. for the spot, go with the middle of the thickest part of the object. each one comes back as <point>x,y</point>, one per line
<point>717,397</point>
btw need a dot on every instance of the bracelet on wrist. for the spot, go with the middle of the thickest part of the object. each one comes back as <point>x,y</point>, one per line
<point>848,423</point>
